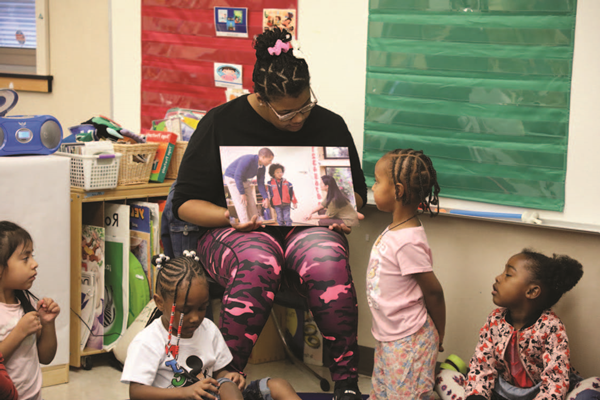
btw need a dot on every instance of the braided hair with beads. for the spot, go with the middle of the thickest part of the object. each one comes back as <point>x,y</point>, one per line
<point>277,76</point>
<point>414,170</point>
<point>170,275</point>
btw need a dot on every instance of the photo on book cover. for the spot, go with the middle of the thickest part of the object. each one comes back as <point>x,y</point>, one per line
<point>289,186</point>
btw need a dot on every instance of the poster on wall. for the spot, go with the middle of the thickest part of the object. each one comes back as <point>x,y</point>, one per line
<point>228,75</point>
<point>279,18</point>
<point>288,186</point>
<point>231,22</point>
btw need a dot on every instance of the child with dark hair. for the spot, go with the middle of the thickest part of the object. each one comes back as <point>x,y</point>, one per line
<point>338,208</point>
<point>27,330</point>
<point>405,296</point>
<point>237,178</point>
<point>182,355</point>
<point>281,194</point>
<point>523,350</point>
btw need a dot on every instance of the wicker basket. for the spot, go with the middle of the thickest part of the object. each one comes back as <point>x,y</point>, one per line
<point>136,162</point>
<point>176,159</point>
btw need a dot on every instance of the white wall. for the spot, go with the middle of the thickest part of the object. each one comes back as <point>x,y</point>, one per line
<point>79,62</point>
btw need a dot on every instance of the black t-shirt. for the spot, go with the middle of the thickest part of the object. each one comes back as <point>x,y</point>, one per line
<point>235,123</point>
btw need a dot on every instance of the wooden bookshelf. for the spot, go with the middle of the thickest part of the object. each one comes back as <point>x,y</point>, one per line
<point>92,204</point>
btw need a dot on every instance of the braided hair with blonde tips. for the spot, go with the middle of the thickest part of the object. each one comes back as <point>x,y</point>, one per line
<point>277,76</point>
<point>414,170</point>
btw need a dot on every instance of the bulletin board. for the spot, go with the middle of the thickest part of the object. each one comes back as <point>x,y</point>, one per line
<point>180,46</point>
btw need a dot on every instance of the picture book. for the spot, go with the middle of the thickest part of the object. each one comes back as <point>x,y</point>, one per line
<point>92,261</point>
<point>155,216</point>
<point>140,240</point>
<point>116,278</point>
<point>88,292</point>
<point>299,186</point>
<point>164,153</point>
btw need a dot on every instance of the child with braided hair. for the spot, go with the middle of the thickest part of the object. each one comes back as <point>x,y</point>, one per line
<point>405,297</point>
<point>182,355</point>
<point>523,350</point>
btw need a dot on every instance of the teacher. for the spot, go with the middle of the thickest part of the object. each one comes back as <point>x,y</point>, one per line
<point>249,260</point>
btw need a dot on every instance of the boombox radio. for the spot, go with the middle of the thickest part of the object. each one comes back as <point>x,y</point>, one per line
<point>26,134</point>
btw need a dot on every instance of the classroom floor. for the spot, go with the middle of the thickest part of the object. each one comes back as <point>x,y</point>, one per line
<point>103,380</point>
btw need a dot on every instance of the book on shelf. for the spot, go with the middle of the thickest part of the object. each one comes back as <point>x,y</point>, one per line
<point>166,146</point>
<point>116,304</point>
<point>92,262</point>
<point>140,234</point>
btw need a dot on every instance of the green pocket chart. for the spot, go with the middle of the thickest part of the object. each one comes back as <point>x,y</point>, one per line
<point>116,278</point>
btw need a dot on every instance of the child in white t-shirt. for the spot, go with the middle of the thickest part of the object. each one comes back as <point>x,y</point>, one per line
<point>182,355</point>
<point>405,297</point>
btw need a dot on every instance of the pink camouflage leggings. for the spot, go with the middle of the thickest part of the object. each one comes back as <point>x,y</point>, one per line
<point>249,266</point>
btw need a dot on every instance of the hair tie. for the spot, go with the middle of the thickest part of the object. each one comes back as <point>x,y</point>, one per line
<point>191,254</point>
<point>160,259</point>
<point>278,48</point>
<point>296,50</point>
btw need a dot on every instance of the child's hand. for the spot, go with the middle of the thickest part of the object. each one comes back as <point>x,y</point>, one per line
<point>48,310</point>
<point>237,378</point>
<point>30,323</point>
<point>441,348</point>
<point>205,389</point>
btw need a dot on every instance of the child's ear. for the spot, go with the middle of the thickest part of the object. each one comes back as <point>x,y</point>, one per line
<point>399,191</point>
<point>533,291</point>
<point>159,301</point>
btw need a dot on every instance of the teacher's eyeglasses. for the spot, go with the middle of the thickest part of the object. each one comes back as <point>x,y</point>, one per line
<point>303,110</point>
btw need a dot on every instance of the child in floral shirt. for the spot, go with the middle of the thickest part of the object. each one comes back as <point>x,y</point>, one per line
<point>523,349</point>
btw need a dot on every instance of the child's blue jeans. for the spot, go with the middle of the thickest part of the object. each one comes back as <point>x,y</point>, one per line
<point>283,215</point>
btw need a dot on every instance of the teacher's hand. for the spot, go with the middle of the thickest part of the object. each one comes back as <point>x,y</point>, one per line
<point>251,225</point>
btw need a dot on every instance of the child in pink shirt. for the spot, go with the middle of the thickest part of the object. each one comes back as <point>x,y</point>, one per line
<point>27,331</point>
<point>405,297</point>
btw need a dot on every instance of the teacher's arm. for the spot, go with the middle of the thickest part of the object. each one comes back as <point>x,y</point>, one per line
<point>203,213</point>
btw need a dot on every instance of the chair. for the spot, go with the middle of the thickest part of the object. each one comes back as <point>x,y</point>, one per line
<point>288,296</point>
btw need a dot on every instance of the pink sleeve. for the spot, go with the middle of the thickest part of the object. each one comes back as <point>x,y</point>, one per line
<point>414,258</point>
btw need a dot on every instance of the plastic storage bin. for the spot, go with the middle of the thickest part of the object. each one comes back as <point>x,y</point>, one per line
<point>94,172</point>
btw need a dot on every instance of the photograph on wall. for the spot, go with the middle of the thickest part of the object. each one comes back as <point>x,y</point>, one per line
<point>231,22</point>
<point>279,18</point>
<point>288,186</point>
<point>228,75</point>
